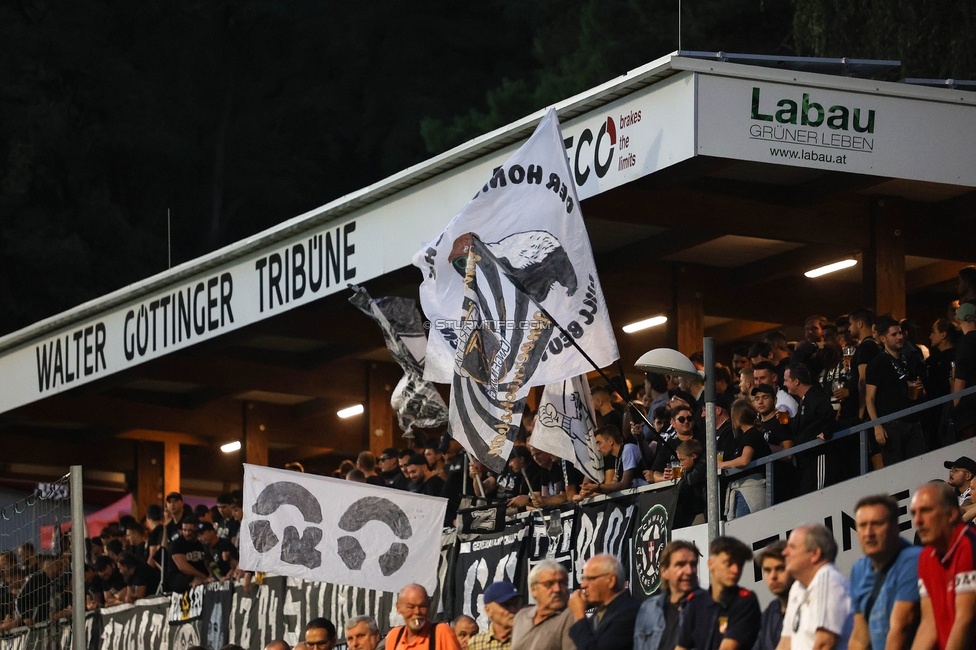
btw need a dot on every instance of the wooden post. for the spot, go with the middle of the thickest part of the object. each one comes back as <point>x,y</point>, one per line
<point>148,476</point>
<point>171,464</point>
<point>689,314</point>
<point>884,259</point>
<point>383,429</point>
<point>255,437</point>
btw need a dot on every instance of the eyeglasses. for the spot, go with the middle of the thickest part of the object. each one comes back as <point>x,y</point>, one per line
<point>684,418</point>
<point>383,459</point>
<point>592,578</point>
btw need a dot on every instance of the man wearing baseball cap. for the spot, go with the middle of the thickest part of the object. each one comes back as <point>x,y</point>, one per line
<point>502,601</point>
<point>961,472</point>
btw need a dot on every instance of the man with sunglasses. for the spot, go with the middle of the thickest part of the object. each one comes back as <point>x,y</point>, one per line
<point>684,426</point>
<point>818,612</point>
<point>602,587</point>
<point>389,466</point>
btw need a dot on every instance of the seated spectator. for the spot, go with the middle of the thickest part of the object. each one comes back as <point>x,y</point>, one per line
<point>502,602</point>
<point>320,634</point>
<point>546,624</point>
<point>893,383</point>
<point>222,556</point>
<point>366,463</point>
<point>961,473</point>
<point>603,587</point>
<point>766,373</point>
<point>465,628</point>
<point>778,581</point>
<point>418,631</point>
<point>747,490</point>
<point>141,580</point>
<point>188,559</point>
<point>659,617</point>
<point>362,633</point>
<point>628,465</point>
<point>229,527</point>
<point>691,485</point>
<point>108,582</point>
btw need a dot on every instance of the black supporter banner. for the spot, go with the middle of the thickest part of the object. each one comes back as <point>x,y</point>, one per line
<point>604,527</point>
<point>484,559</point>
<point>652,531</point>
<point>552,538</point>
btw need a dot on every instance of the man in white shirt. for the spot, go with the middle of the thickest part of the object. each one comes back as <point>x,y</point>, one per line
<point>818,613</point>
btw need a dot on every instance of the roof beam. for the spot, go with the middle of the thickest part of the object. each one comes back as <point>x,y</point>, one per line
<point>937,273</point>
<point>739,329</point>
<point>151,435</point>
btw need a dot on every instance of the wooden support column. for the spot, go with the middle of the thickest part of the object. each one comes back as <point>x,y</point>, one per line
<point>148,476</point>
<point>384,431</point>
<point>884,259</point>
<point>688,330</point>
<point>171,465</point>
<point>254,437</point>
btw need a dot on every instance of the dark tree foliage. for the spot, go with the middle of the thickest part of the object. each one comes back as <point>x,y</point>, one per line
<point>933,39</point>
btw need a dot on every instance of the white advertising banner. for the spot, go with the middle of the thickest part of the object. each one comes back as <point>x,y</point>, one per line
<point>834,508</point>
<point>821,128</point>
<point>343,532</point>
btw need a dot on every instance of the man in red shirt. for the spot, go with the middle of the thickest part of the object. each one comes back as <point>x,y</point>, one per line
<point>946,571</point>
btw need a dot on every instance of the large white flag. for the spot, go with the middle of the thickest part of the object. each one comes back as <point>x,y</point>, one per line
<point>529,218</point>
<point>519,245</point>
<point>565,423</point>
<point>342,532</point>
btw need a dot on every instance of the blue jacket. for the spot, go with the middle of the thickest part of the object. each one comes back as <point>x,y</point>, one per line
<point>650,622</point>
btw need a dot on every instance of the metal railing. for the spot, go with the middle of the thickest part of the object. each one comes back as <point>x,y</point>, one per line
<point>861,429</point>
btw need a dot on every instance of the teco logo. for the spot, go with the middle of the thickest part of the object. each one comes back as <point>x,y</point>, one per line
<point>586,147</point>
<point>301,550</point>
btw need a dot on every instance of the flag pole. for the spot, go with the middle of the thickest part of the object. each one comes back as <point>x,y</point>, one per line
<point>545,312</point>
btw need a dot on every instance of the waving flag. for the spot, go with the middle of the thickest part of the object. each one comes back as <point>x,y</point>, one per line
<point>565,424</point>
<point>415,400</point>
<point>519,245</point>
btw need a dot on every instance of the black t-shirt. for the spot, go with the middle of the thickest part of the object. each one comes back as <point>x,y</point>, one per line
<point>666,455</point>
<point>615,418</point>
<point>891,376</point>
<point>174,527</point>
<point>552,479</point>
<point>672,623</point>
<point>705,622</point>
<point>433,487</point>
<point>965,414</point>
<point>195,552</point>
<point>776,433</point>
<point>34,599</point>
<point>725,440</point>
<point>144,576</point>
<point>512,484</point>
<point>114,582</point>
<point>395,479</point>
<point>938,368</point>
<point>228,529</point>
<point>755,438</point>
<point>866,351</point>
<point>156,536</point>
<point>216,559</point>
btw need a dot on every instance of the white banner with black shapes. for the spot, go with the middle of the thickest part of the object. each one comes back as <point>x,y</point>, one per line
<point>565,424</point>
<point>528,216</point>
<point>343,532</point>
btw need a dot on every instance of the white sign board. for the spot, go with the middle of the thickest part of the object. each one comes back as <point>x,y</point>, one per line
<point>343,532</point>
<point>834,508</point>
<point>840,131</point>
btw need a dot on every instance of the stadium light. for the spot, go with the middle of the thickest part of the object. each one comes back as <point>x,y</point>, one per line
<point>231,447</point>
<point>830,268</point>
<point>644,324</point>
<point>351,411</point>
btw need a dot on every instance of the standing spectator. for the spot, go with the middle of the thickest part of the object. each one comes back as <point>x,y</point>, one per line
<point>229,527</point>
<point>964,411</point>
<point>725,443</point>
<point>767,374</point>
<point>420,473</point>
<point>176,513</point>
<point>29,562</point>
<point>809,351</point>
<point>884,583</point>
<point>511,483</point>
<point>747,490</point>
<point>740,359</point>
<point>135,537</point>
<point>390,469</point>
<point>413,604</point>
<point>502,601</point>
<point>402,459</point>
<point>938,377</point>
<point>362,633</point>
<point>550,486</point>
<point>747,381</point>
<point>961,472</point>
<point>892,383</point>
<point>659,617</point>
<point>946,571</point>
<point>779,437</point>
<point>222,556</point>
<point>320,634</point>
<point>862,322</point>
<point>818,613</point>
<point>966,286</point>
<point>34,598</point>
<point>545,625</point>
<point>108,581</point>
<point>778,581</point>
<point>156,539</point>
<point>725,612</point>
<point>465,628</point>
<point>188,559</point>
<point>603,587</point>
<point>434,460</point>
<point>780,348</point>
<point>759,352</point>
<point>655,391</point>
<point>366,463</point>
<point>814,420</point>
<point>628,467</point>
<point>603,407</point>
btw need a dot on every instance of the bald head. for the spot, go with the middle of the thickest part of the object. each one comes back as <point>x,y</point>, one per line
<point>277,644</point>
<point>413,590</point>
